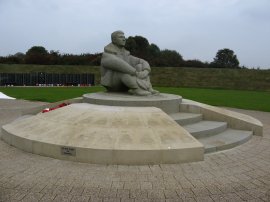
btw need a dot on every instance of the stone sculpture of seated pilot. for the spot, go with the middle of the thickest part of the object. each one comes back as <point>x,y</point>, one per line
<point>122,72</point>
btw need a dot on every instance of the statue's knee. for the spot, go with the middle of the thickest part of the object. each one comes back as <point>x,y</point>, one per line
<point>127,77</point>
<point>129,80</point>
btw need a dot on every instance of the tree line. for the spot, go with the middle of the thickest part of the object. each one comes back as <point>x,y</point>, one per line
<point>39,55</point>
<point>138,46</point>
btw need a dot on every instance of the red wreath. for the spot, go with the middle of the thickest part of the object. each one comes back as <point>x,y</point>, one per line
<point>53,108</point>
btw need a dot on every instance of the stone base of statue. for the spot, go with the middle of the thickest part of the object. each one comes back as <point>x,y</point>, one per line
<point>115,128</point>
<point>169,103</point>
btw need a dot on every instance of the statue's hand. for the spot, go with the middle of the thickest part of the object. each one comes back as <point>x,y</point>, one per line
<point>142,74</point>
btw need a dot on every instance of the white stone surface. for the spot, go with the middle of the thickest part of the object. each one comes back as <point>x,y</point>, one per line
<point>3,96</point>
<point>105,134</point>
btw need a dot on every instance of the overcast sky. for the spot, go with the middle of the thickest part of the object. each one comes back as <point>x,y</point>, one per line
<point>197,29</point>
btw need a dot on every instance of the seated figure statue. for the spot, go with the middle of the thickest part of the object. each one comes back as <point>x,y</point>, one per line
<point>122,72</point>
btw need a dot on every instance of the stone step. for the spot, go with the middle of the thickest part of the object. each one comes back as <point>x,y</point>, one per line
<point>184,118</point>
<point>205,128</point>
<point>228,139</point>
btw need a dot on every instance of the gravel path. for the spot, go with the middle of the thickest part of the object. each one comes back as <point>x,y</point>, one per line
<point>238,174</point>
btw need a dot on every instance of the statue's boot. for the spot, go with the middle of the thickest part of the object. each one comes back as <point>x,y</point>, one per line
<point>140,92</point>
<point>154,92</point>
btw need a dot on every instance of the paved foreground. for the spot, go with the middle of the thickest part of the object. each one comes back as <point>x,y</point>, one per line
<point>239,174</point>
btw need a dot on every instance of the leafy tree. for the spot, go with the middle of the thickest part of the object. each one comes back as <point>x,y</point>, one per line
<point>142,43</point>
<point>225,58</point>
<point>54,57</point>
<point>170,58</point>
<point>196,63</point>
<point>19,55</point>
<point>131,45</point>
<point>153,54</point>
<point>37,55</point>
<point>153,50</point>
<point>37,50</point>
<point>11,59</point>
<point>138,46</point>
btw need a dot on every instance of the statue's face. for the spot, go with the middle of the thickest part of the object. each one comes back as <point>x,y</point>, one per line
<point>120,40</point>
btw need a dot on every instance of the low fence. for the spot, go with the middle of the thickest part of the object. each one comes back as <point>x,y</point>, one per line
<point>46,79</point>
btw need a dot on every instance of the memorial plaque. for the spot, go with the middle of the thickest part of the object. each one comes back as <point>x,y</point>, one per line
<point>68,151</point>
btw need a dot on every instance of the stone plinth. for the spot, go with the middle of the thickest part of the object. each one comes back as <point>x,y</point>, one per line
<point>167,102</point>
<point>104,134</point>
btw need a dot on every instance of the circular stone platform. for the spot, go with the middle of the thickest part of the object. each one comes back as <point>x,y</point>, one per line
<point>104,134</point>
<point>167,102</point>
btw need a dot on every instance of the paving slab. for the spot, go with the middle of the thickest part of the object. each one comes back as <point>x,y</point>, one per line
<point>236,174</point>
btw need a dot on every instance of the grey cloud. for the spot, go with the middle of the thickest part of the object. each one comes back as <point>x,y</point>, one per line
<point>195,28</point>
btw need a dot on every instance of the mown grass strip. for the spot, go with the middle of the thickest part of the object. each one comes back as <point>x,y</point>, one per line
<point>254,100</point>
<point>48,94</point>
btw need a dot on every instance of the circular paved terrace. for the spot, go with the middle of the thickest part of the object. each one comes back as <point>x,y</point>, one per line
<point>238,174</point>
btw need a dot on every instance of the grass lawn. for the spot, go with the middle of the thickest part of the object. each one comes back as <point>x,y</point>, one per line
<point>48,94</point>
<point>255,100</point>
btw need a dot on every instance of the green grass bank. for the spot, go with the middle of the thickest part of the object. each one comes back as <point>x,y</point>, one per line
<point>254,100</point>
<point>237,79</point>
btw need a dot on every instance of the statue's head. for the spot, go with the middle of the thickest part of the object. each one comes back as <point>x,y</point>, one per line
<point>118,38</point>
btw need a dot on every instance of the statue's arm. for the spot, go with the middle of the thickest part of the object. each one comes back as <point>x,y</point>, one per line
<point>114,63</point>
<point>135,61</point>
